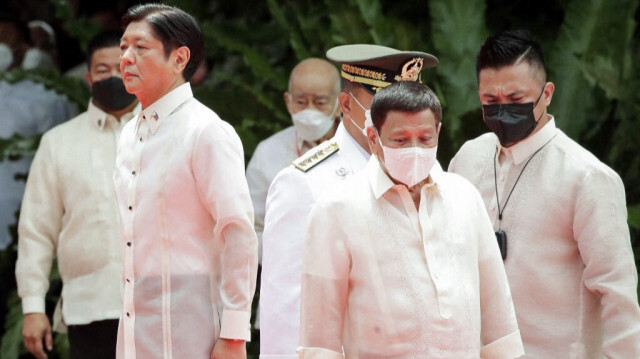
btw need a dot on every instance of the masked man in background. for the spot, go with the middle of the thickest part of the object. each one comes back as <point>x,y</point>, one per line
<point>312,102</point>
<point>69,212</point>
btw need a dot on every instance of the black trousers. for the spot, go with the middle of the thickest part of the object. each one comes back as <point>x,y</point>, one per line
<point>96,340</point>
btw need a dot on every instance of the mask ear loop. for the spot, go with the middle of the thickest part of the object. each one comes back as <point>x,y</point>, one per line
<point>536,104</point>
<point>539,96</point>
<point>358,102</point>
<point>362,129</point>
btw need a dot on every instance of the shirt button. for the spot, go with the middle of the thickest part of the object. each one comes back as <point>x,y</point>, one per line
<point>140,139</point>
<point>128,314</point>
<point>129,244</point>
<point>130,208</point>
<point>128,280</point>
<point>133,172</point>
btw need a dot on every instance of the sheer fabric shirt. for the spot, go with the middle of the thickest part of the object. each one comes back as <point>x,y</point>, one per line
<point>570,264</point>
<point>188,244</point>
<point>69,212</point>
<point>382,279</point>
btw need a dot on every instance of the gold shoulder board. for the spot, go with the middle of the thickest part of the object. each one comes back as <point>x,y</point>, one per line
<point>316,155</point>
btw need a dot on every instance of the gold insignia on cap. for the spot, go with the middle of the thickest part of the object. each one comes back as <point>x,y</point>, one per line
<point>411,70</point>
<point>365,76</point>
<point>359,71</point>
<point>316,155</point>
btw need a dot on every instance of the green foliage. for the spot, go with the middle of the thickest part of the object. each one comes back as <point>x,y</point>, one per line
<point>18,146</point>
<point>592,52</point>
<point>634,216</point>
<point>11,344</point>
<point>83,29</point>
<point>458,30</point>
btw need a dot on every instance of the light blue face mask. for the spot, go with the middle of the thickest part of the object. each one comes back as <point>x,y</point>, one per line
<point>367,114</point>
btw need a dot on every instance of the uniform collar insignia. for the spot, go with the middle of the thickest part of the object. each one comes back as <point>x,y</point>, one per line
<point>316,155</point>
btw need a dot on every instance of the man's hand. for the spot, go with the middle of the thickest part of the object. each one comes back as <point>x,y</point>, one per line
<point>35,329</point>
<point>229,349</point>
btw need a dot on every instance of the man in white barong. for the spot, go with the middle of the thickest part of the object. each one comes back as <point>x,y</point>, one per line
<point>189,250</point>
<point>558,212</point>
<point>400,260</point>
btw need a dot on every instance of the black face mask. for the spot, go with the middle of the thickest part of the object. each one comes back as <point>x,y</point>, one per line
<point>111,95</point>
<point>511,122</point>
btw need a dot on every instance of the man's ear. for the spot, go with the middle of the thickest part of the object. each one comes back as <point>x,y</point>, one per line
<point>344,101</point>
<point>549,87</point>
<point>182,56</point>
<point>287,101</point>
<point>372,135</point>
<point>87,76</point>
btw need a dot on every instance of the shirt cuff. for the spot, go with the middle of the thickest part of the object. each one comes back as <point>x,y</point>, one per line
<point>318,353</point>
<point>236,325</point>
<point>507,347</point>
<point>32,305</point>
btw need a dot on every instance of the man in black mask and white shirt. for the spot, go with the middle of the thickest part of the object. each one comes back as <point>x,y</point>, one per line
<point>69,212</point>
<point>558,213</point>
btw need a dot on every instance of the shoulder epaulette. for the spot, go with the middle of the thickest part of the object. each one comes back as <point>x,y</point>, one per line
<point>316,155</point>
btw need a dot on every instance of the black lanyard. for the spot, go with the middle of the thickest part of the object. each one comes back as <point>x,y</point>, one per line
<point>495,178</point>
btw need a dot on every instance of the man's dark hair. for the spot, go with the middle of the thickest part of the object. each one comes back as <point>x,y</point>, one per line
<point>508,47</point>
<point>404,96</point>
<point>21,28</point>
<point>348,86</point>
<point>109,38</point>
<point>174,28</point>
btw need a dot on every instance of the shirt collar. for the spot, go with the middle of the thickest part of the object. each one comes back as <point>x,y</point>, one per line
<point>381,183</point>
<point>100,118</point>
<point>344,137</point>
<point>157,112</point>
<point>525,148</point>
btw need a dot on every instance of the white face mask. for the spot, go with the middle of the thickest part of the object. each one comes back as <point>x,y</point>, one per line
<point>409,165</point>
<point>36,58</point>
<point>311,125</point>
<point>367,115</point>
<point>6,57</point>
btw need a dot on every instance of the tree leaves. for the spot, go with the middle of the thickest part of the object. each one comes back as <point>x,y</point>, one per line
<point>591,51</point>
<point>459,29</point>
<point>17,146</point>
<point>11,344</point>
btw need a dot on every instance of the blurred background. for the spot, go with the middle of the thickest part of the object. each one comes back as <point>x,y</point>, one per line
<point>592,49</point>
